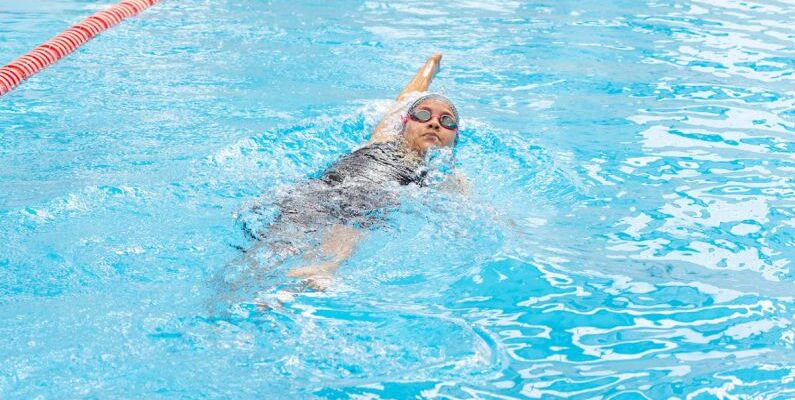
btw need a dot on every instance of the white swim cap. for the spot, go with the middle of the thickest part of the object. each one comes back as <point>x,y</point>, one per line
<point>438,97</point>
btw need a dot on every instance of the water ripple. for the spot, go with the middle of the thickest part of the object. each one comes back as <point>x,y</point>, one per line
<point>629,233</point>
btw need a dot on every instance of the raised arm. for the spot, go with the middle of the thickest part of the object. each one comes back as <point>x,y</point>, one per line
<point>422,79</point>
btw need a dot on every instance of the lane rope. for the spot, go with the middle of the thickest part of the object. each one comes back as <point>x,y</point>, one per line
<point>49,52</point>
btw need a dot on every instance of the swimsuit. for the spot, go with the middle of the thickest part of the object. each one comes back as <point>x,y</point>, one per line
<point>357,190</point>
<point>376,164</point>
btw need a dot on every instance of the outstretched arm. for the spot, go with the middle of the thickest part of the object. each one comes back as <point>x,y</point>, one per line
<point>422,79</point>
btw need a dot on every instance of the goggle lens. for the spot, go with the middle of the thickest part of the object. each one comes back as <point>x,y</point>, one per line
<point>448,122</point>
<point>425,116</point>
<point>422,115</point>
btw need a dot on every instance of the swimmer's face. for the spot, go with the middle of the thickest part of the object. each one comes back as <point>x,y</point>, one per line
<point>420,136</point>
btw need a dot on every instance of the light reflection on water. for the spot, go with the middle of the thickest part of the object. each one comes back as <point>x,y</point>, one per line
<point>629,233</point>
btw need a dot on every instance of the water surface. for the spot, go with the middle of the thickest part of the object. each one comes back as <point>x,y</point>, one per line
<point>629,233</point>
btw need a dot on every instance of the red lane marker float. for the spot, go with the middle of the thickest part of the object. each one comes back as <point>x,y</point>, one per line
<point>62,44</point>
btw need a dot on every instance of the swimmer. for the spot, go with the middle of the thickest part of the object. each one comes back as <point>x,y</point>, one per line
<point>354,188</point>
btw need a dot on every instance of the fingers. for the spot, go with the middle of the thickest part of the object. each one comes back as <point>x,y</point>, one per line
<point>436,59</point>
<point>319,283</point>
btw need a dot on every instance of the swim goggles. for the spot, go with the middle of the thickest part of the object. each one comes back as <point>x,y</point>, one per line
<point>445,120</point>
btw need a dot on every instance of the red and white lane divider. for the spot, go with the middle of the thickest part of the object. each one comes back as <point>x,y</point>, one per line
<point>66,42</point>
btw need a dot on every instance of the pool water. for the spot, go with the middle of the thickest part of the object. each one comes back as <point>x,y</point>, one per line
<point>629,232</point>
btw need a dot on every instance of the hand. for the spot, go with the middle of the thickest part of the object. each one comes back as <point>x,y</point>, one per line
<point>457,183</point>
<point>435,60</point>
<point>317,276</point>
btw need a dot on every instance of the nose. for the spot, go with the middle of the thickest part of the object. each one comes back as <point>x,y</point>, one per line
<point>433,124</point>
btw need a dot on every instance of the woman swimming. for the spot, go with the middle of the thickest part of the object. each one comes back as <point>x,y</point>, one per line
<point>357,191</point>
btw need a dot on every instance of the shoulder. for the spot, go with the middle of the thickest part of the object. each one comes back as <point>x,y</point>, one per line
<point>387,145</point>
<point>354,163</point>
<point>377,149</point>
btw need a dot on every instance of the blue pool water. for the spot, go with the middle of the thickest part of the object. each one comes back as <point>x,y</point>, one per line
<point>629,234</point>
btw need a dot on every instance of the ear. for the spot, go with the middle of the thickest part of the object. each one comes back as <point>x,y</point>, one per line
<point>403,124</point>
